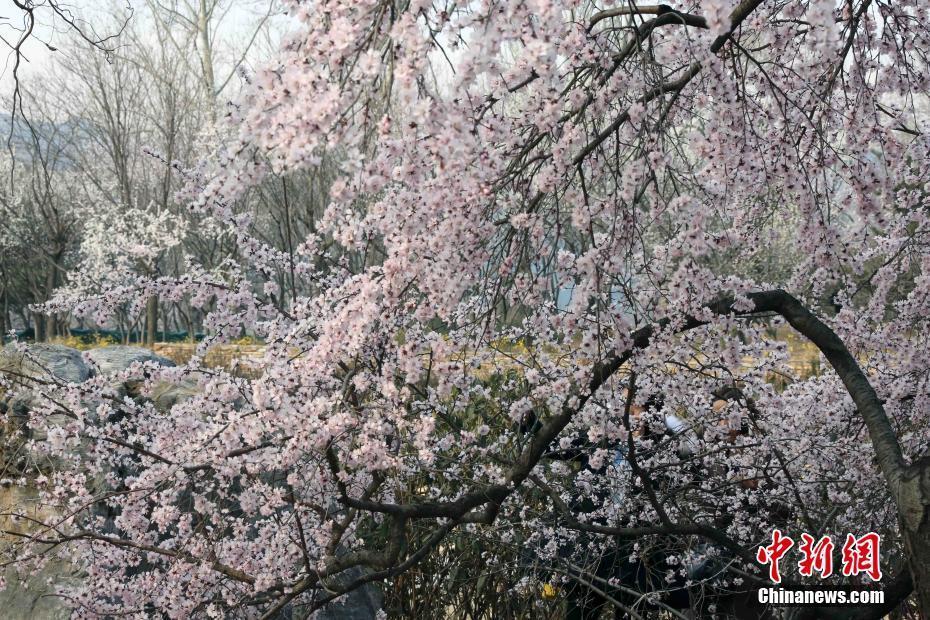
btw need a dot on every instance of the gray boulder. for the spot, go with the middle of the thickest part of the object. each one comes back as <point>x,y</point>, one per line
<point>40,362</point>
<point>63,363</point>
<point>109,360</point>
<point>25,596</point>
<point>363,603</point>
<point>35,598</point>
<point>166,395</point>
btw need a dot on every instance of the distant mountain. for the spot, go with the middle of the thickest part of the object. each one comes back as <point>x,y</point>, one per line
<point>55,140</point>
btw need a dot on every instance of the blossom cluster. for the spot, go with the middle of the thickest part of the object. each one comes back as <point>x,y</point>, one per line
<point>523,188</point>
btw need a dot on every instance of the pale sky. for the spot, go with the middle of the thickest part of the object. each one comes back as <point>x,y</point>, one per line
<point>238,22</point>
<point>35,54</point>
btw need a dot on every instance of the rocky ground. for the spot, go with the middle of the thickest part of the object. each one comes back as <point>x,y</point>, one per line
<point>34,598</point>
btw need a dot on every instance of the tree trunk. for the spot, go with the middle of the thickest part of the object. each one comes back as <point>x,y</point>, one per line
<point>206,55</point>
<point>914,510</point>
<point>165,322</point>
<point>50,324</point>
<point>51,280</point>
<point>39,327</point>
<point>909,483</point>
<point>3,322</point>
<point>151,320</point>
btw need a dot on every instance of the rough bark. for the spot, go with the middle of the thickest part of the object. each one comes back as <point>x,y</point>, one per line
<point>50,323</point>
<point>39,327</point>
<point>909,483</point>
<point>913,502</point>
<point>151,320</point>
<point>3,327</point>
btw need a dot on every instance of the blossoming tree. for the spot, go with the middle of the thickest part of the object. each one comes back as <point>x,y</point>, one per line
<point>536,313</point>
<point>120,251</point>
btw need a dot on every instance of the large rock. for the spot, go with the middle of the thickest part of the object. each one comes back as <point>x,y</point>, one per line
<point>63,363</point>
<point>166,395</point>
<point>109,360</point>
<point>39,362</point>
<point>363,603</point>
<point>35,598</point>
<point>25,596</point>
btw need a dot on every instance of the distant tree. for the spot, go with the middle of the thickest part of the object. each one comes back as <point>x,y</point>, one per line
<point>41,219</point>
<point>119,249</point>
<point>134,111</point>
<point>28,23</point>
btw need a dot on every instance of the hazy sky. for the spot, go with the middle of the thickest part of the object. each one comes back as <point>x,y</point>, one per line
<point>238,21</point>
<point>35,53</point>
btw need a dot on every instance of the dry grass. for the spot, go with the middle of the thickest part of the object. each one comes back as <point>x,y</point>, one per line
<point>804,358</point>
<point>220,356</point>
